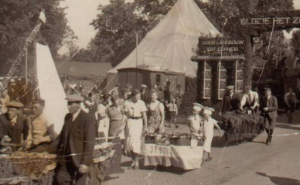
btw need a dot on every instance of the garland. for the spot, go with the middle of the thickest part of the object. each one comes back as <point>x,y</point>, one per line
<point>163,138</point>
<point>17,62</point>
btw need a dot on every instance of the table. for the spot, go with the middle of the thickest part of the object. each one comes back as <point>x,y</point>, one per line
<point>180,154</point>
<point>242,127</point>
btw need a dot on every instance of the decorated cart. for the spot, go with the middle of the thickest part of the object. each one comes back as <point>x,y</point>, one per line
<point>27,168</point>
<point>183,151</point>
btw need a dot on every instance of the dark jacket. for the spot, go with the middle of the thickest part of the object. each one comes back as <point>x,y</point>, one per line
<point>226,103</point>
<point>272,106</point>
<point>145,97</point>
<point>78,137</point>
<point>17,133</point>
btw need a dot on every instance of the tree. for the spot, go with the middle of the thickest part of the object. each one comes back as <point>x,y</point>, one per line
<point>17,20</point>
<point>296,43</point>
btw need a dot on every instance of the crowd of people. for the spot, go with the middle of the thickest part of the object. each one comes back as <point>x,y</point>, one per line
<point>123,113</point>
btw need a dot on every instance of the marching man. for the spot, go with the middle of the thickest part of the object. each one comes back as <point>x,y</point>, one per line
<point>76,144</point>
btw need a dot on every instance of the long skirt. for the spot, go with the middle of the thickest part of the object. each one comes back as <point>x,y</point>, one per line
<point>134,135</point>
<point>115,128</point>
<point>207,143</point>
<point>103,127</point>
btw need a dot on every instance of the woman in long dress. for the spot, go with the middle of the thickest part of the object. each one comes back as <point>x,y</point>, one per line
<point>136,113</point>
<point>209,124</point>
<point>116,117</point>
<point>103,118</point>
<point>156,115</point>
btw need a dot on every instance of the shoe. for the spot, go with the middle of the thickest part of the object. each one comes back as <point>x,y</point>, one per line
<point>208,159</point>
<point>269,139</point>
<point>132,166</point>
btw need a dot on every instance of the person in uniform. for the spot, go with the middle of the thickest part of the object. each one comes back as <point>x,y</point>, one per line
<point>269,112</point>
<point>156,115</point>
<point>136,112</point>
<point>227,102</point>
<point>195,121</point>
<point>13,125</point>
<point>209,124</point>
<point>145,94</point>
<point>76,144</point>
<point>41,133</point>
<point>290,102</point>
<point>250,100</point>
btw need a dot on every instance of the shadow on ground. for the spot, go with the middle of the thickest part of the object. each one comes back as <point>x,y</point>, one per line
<point>287,126</point>
<point>280,180</point>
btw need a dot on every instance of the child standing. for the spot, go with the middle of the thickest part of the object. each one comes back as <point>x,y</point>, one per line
<point>209,124</point>
<point>195,120</point>
<point>173,110</point>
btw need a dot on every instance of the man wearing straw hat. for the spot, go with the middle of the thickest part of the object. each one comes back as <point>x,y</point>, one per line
<point>76,144</point>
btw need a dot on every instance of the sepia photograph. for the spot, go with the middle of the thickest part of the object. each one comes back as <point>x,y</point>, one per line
<point>149,92</point>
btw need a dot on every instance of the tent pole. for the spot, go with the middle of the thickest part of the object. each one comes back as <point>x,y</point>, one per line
<point>137,43</point>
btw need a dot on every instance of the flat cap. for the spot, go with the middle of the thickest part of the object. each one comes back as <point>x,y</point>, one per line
<point>74,98</point>
<point>230,87</point>
<point>268,89</point>
<point>15,104</point>
<point>144,86</point>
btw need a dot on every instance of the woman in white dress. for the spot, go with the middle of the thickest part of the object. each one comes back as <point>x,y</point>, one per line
<point>136,113</point>
<point>209,124</point>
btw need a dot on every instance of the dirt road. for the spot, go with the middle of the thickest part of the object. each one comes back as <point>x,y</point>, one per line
<point>251,163</point>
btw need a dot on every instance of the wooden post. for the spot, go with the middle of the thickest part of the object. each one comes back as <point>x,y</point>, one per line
<point>26,68</point>
<point>137,51</point>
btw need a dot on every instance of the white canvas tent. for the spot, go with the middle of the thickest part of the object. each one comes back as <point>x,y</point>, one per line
<point>171,44</point>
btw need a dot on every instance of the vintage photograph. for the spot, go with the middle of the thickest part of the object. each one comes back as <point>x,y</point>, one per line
<point>149,92</point>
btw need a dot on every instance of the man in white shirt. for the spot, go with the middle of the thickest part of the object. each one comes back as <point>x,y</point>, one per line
<point>250,100</point>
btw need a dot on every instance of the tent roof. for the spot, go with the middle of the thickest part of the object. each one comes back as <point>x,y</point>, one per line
<point>170,44</point>
<point>83,68</point>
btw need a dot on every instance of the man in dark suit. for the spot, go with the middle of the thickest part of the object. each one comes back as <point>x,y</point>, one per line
<point>269,111</point>
<point>145,95</point>
<point>227,102</point>
<point>76,144</point>
<point>13,125</point>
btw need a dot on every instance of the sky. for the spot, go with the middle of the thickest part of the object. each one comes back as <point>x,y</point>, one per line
<point>80,13</point>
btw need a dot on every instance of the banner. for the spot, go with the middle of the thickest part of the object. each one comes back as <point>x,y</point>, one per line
<point>184,157</point>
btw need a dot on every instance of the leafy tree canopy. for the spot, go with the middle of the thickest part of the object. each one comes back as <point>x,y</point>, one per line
<point>18,18</point>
